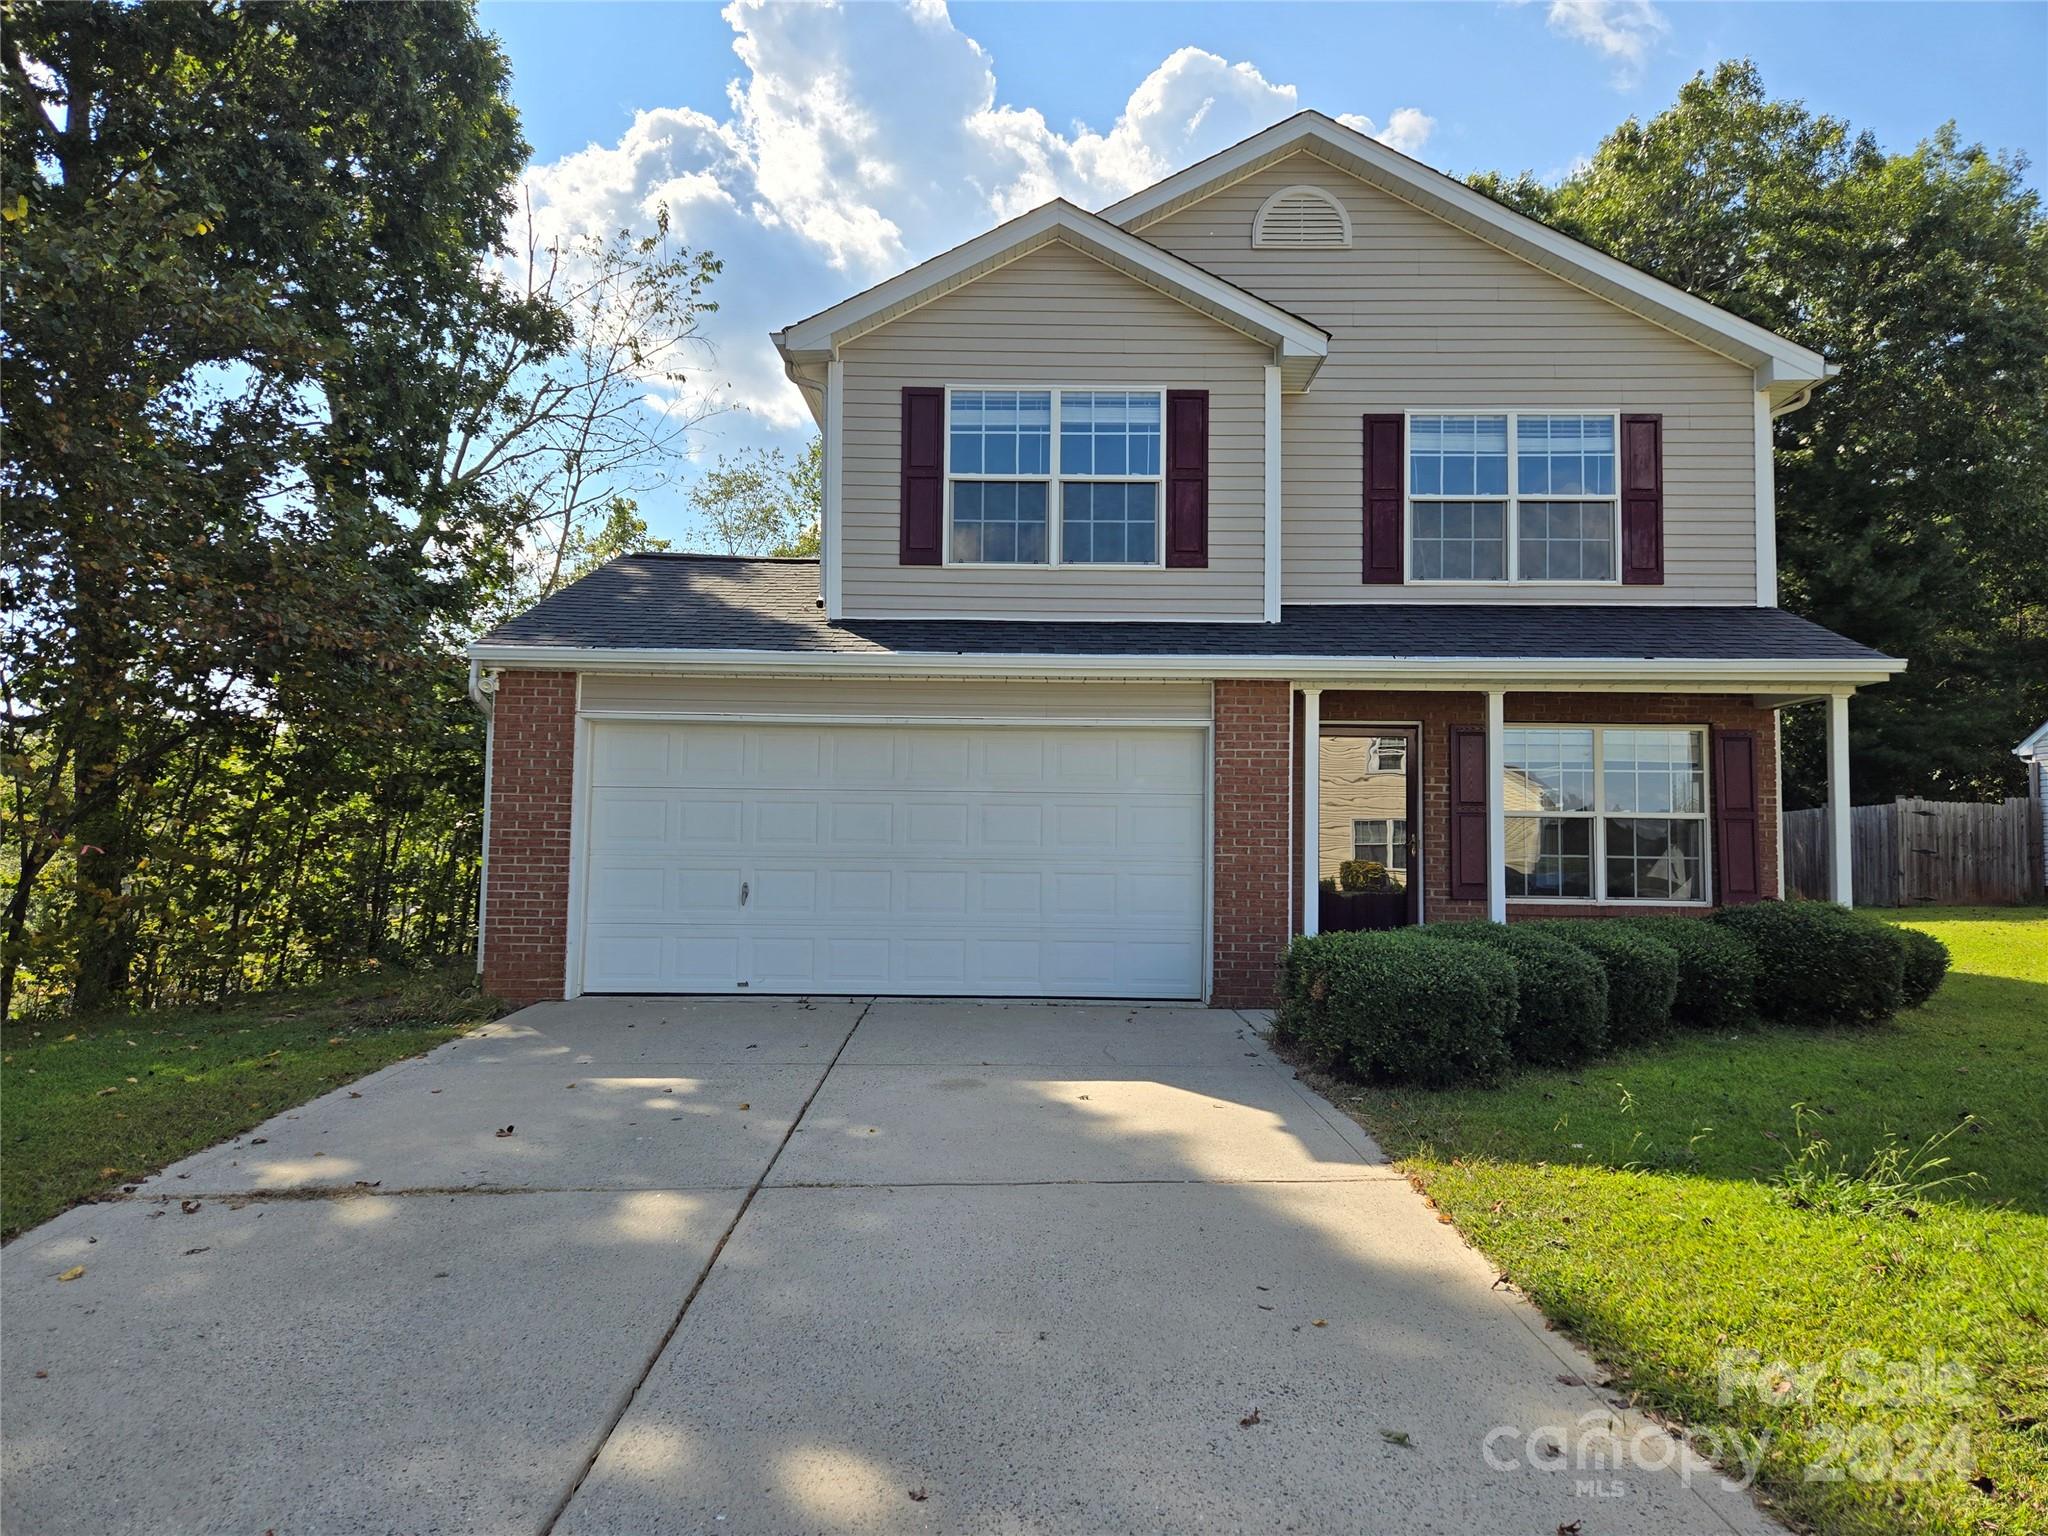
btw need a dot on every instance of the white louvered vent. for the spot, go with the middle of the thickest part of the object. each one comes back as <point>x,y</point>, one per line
<point>1302,218</point>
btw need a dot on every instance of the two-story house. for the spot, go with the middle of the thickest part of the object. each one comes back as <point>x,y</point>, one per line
<point>1307,507</point>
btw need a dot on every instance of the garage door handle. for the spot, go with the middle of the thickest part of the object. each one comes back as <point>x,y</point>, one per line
<point>743,893</point>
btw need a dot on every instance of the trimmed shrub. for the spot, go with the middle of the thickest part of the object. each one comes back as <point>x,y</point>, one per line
<point>1560,991</point>
<point>1396,1006</point>
<point>1819,963</point>
<point>1926,965</point>
<point>1716,971</point>
<point>1642,975</point>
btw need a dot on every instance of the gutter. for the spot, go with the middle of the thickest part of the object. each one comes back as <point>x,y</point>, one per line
<point>483,694</point>
<point>1363,671</point>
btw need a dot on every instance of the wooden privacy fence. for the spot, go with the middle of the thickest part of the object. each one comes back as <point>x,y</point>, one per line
<point>1920,852</point>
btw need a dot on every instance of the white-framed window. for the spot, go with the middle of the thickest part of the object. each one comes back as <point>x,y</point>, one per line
<point>1521,496</point>
<point>1387,754</point>
<point>1055,476</point>
<point>1606,813</point>
<point>1384,840</point>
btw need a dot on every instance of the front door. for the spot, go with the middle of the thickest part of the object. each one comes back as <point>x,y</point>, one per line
<point>1369,870</point>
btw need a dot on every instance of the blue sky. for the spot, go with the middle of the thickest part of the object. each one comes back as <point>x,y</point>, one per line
<point>817,149</point>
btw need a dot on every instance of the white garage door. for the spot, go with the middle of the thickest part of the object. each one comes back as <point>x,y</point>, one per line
<point>1018,861</point>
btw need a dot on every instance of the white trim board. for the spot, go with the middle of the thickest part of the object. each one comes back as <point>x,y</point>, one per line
<point>1669,674</point>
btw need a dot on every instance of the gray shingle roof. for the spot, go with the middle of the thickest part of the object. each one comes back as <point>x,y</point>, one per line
<point>717,602</point>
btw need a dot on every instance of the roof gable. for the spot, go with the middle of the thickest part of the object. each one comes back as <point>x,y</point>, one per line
<point>1299,347</point>
<point>1781,365</point>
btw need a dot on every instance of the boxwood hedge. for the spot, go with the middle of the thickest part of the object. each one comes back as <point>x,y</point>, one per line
<point>1819,963</point>
<point>1926,964</point>
<point>1560,990</point>
<point>1716,970</point>
<point>1398,1006</point>
<point>1642,974</point>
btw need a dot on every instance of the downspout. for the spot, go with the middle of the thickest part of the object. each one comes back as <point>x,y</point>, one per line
<point>482,692</point>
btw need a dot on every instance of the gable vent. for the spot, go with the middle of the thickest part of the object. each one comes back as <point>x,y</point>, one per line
<point>1302,218</point>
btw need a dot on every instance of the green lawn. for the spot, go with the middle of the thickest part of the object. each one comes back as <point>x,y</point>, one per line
<point>1632,1201</point>
<point>89,1104</point>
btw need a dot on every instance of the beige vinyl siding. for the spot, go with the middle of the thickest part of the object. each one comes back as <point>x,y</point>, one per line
<point>1054,318</point>
<point>882,698</point>
<point>1426,317</point>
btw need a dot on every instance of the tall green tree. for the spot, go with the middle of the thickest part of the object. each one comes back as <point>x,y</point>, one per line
<point>761,502</point>
<point>1913,488</point>
<point>246,270</point>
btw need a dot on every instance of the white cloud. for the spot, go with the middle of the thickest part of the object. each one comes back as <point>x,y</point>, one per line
<point>1407,130</point>
<point>1622,30</point>
<point>858,140</point>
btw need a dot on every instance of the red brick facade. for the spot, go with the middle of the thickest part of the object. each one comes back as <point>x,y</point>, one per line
<point>1256,814</point>
<point>1253,866</point>
<point>526,906</point>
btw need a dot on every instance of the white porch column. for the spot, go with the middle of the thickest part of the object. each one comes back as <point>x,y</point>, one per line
<point>1841,878</point>
<point>1496,807</point>
<point>1311,808</point>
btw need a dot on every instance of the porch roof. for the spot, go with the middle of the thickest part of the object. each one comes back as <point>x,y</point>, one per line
<point>655,607</point>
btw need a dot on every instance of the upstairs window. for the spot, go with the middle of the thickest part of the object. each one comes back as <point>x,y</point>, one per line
<point>1012,501</point>
<point>1513,496</point>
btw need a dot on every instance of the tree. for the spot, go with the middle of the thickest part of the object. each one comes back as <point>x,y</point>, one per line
<point>760,503</point>
<point>1913,489</point>
<point>244,259</point>
<point>559,435</point>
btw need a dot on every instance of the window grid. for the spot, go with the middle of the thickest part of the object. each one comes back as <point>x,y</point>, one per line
<point>1112,520</point>
<point>1444,554</point>
<point>1384,840</point>
<point>1607,814</point>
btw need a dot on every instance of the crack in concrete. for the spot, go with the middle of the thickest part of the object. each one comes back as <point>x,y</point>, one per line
<point>717,1250</point>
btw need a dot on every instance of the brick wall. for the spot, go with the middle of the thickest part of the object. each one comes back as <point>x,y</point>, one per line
<point>1438,712</point>
<point>526,909</point>
<point>1252,867</point>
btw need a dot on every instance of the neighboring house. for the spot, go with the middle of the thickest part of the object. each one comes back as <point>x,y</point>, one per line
<point>1141,531</point>
<point>2034,753</point>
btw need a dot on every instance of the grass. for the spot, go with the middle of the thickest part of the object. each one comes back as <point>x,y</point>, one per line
<point>1780,1196</point>
<point>89,1104</point>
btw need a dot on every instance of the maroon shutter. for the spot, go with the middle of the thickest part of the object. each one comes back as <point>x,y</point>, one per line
<point>1738,819</point>
<point>921,536</point>
<point>1642,501</point>
<point>1187,479</point>
<point>1468,813</point>
<point>1383,509</point>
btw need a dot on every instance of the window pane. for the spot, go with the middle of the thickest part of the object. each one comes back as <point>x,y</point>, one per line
<point>1655,859</point>
<point>1458,455</point>
<point>1564,455</point>
<point>1653,770</point>
<point>1113,524</point>
<point>1000,432</point>
<point>1566,541</point>
<point>1109,433</point>
<point>1547,770</point>
<point>999,522</point>
<point>1550,855</point>
<point>1459,541</point>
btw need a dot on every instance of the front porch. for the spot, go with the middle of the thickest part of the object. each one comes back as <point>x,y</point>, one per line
<point>1461,804</point>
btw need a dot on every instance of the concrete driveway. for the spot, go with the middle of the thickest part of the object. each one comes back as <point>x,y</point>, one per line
<point>651,1265</point>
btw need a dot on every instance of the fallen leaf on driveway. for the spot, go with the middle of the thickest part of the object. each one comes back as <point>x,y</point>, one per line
<point>1572,1529</point>
<point>190,1251</point>
<point>746,1106</point>
<point>189,1207</point>
<point>918,1495</point>
<point>505,1132</point>
<point>257,1141</point>
<point>1320,1323</point>
<point>73,1272</point>
<point>1396,1437</point>
<point>42,1375</point>
<point>353,1094</point>
<point>1250,1419</point>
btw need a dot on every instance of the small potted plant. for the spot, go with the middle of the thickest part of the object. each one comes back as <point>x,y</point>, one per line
<point>1366,896</point>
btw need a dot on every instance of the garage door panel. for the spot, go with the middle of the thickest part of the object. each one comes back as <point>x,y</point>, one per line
<point>938,859</point>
